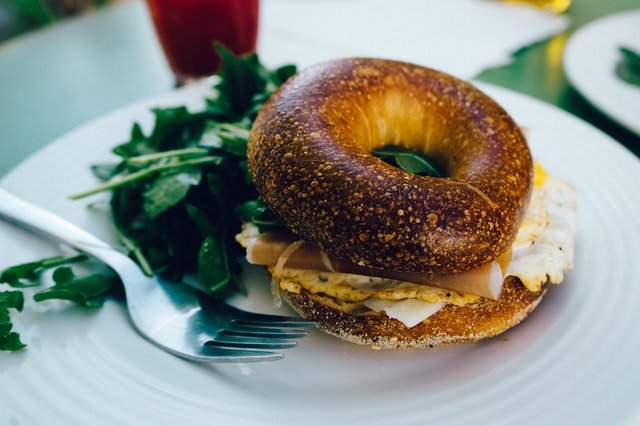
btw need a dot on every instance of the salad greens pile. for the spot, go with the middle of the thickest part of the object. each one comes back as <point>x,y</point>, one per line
<point>176,190</point>
<point>179,195</point>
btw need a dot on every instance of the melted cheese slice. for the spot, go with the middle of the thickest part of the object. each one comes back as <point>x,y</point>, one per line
<point>410,312</point>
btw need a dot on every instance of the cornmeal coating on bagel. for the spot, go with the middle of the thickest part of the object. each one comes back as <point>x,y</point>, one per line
<point>309,155</point>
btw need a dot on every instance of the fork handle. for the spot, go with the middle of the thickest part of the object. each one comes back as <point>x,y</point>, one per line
<point>26,215</point>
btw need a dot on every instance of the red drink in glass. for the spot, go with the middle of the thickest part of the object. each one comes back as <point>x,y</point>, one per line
<point>188,29</point>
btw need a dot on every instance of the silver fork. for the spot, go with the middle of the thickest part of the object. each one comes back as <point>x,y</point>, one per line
<point>170,315</point>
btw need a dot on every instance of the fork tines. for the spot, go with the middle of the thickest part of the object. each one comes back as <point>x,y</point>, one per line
<point>262,331</point>
<point>275,321</point>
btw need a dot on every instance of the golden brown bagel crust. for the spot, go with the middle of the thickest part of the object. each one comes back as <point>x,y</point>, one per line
<point>452,324</point>
<point>309,154</point>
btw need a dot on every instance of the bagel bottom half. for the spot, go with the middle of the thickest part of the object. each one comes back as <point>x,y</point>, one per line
<point>481,319</point>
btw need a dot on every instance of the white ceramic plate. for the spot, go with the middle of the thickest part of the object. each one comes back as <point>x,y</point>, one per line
<point>590,59</point>
<point>573,360</point>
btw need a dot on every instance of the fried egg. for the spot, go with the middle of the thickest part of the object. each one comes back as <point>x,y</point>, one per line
<point>544,246</point>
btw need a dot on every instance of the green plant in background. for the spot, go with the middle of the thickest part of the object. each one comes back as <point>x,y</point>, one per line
<point>20,16</point>
<point>628,68</point>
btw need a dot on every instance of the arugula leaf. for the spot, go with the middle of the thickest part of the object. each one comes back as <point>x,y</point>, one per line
<point>143,174</point>
<point>230,137</point>
<point>202,220</point>
<point>213,266</point>
<point>282,74</point>
<point>28,274</point>
<point>242,78</point>
<point>168,190</point>
<point>173,127</point>
<point>137,144</point>
<point>245,85</point>
<point>89,291</point>
<point>258,212</point>
<point>408,160</point>
<point>10,340</point>
<point>628,69</point>
<point>171,156</point>
<point>12,299</point>
<point>105,171</point>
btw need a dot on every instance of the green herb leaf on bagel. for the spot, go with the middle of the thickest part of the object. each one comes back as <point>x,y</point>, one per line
<point>407,160</point>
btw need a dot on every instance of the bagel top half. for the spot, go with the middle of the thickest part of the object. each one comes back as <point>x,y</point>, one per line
<point>309,155</point>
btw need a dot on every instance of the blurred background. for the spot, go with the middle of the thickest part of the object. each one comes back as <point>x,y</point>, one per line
<point>20,16</point>
<point>69,61</point>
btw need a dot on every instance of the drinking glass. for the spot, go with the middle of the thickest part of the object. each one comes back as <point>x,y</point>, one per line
<point>188,30</point>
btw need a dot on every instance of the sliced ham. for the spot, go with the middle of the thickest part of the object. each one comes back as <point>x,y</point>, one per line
<point>285,250</point>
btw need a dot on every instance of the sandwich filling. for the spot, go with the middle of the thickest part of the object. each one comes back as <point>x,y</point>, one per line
<point>541,252</point>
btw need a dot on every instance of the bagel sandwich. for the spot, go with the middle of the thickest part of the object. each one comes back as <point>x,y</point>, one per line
<point>386,258</point>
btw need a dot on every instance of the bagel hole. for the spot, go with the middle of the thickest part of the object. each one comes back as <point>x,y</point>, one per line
<point>410,161</point>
